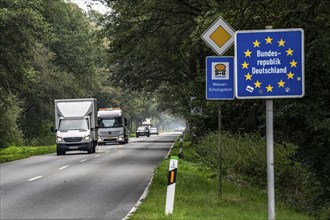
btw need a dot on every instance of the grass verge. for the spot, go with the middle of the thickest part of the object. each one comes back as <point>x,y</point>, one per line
<point>12,153</point>
<point>196,196</point>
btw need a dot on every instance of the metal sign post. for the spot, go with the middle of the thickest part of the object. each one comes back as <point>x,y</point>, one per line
<point>270,159</point>
<point>269,64</point>
<point>219,74</point>
<point>270,156</point>
<point>219,152</point>
<point>219,86</point>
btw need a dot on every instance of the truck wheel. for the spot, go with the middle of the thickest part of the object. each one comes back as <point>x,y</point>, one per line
<point>90,151</point>
<point>94,146</point>
<point>59,151</point>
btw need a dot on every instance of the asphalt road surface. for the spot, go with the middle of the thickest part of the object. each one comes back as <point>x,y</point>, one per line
<point>104,185</point>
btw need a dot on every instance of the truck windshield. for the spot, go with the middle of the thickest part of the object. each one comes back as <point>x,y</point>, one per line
<point>110,122</point>
<point>73,124</point>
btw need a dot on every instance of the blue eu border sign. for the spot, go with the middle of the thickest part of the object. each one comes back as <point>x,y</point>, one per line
<point>220,78</point>
<point>269,64</point>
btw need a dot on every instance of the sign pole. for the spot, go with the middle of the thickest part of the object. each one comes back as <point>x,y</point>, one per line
<point>270,156</point>
<point>269,64</point>
<point>219,152</point>
<point>270,159</point>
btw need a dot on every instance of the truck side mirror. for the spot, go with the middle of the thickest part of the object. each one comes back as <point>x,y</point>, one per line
<point>125,121</point>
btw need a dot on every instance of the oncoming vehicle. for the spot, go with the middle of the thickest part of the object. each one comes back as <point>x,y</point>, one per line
<point>153,130</point>
<point>180,129</point>
<point>75,125</point>
<point>112,126</point>
<point>143,131</point>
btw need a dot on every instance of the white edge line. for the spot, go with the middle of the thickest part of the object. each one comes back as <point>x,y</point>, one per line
<point>97,155</point>
<point>34,178</point>
<point>146,191</point>
<point>63,167</point>
<point>139,202</point>
<point>83,160</point>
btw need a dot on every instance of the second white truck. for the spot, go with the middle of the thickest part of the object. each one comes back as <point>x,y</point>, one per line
<point>112,126</point>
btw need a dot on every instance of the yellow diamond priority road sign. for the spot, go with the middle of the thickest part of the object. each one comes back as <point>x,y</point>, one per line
<point>219,36</point>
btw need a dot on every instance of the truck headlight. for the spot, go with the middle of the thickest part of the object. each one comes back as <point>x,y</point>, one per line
<point>58,138</point>
<point>87,137</point>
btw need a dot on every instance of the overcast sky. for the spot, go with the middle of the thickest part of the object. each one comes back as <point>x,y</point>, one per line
<point>97,6</point>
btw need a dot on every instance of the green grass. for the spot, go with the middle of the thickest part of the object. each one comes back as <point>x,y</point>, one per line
<point>12,153</point>
<point>196,197</point>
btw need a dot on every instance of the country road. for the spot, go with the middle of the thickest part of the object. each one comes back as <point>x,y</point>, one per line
<point>104,185</point>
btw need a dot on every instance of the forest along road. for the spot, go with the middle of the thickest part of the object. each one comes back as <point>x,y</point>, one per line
<point>104,185</point>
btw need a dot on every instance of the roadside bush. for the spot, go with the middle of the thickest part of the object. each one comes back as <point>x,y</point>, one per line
<point>244,162</point>
<point>12,153</point>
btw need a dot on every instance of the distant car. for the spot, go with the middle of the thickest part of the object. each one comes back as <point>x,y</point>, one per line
<point>153,130</point>
<point>143,131</point>
<point>181,129</point>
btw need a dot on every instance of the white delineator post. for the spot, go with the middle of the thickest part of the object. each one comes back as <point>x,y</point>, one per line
<point>171,185</point>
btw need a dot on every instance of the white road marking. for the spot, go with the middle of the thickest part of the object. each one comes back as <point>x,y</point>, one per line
<point>97,155</point>
<point>83,160</point>
<point>34,178</point>
<point>63,167</point>
<point>107,152</point>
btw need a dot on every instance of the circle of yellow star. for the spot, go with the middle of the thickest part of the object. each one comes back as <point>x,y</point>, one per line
<point>245,65</point>
<point>248,76</point>
<point>290,75</point>
<point>281,43</point>
<point>247,53</point>
<point>257,84</point>
<point>269,40</point>
<point>289,52</point>
<point>280,84</point>
<point>269,88</point>
<point>293,63</point>
<point>256,43</point>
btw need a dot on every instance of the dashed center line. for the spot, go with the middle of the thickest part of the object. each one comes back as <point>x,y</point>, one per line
<point>63,167</point>
<point>34,178</point>
<point>83,160</point>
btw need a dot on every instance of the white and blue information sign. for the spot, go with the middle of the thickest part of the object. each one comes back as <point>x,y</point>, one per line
<point>220,78</point>
<point>269,64</point>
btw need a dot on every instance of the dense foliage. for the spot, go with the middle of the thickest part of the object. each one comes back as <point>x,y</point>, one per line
<point>50,49</point>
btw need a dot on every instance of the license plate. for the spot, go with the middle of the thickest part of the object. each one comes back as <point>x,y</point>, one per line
<point>73,147</point>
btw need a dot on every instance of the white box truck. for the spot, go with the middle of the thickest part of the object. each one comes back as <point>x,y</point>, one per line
<point>112,126</point>
<point>76,125</point>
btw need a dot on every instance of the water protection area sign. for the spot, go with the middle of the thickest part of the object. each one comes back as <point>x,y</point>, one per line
<point>269,63</point>
<point>219,78</point>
